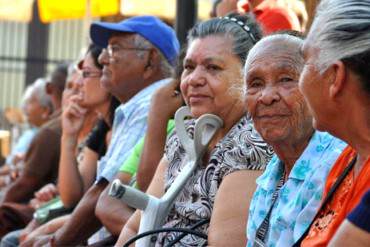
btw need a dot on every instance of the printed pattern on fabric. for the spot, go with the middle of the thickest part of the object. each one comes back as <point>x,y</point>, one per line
<point>241,149</point>
<point>300,196</point>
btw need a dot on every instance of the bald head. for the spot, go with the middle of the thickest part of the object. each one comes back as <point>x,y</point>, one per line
<point>277,47</point>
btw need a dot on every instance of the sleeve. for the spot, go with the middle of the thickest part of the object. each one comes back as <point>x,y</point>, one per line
<point>131,164</point>
<point>42,157</point>
<point>361,214</point>
<point>96,139</point>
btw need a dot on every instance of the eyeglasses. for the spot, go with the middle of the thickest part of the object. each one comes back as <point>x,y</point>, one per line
<point>113,50</point>
<point>90,74</point>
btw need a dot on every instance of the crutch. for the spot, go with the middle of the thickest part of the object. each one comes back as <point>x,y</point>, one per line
<point>155,210</point>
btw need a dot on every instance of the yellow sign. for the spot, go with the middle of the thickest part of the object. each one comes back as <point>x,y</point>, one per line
<point>51,10</point>
<point>162,8</point>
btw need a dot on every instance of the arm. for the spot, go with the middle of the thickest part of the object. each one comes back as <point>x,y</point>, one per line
<point>230,210</point>
<point>38,165</point>
<point>155,188</point>
<point>70,182</point>
<point>163,106</point>
<point>350,235</point>
<point>112,212</point>
<point>83,222</point>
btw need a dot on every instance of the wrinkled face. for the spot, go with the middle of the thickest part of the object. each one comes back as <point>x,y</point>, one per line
<point>273,100</point>
<point>123,67</point>
<point>212,78</point>
<point>313,89</point>
<point>36,114</point>
<point>92,93</point>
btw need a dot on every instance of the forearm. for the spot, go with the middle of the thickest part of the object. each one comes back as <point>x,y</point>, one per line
<point>112,213</point>
<point>154,144</point>
<point>130,229</point>
<point>83,222</point>
<point>21,190</point>
<point>70,184</point>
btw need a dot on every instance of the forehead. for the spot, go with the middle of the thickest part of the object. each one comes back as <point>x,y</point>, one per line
<point>210,47</point>
<point>276,55</point>
<point>122,38</point>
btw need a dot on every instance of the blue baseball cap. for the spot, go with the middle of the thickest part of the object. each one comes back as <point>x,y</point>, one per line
<point>149,27</point>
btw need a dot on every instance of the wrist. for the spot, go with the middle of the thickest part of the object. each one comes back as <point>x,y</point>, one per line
<point>69,139</point>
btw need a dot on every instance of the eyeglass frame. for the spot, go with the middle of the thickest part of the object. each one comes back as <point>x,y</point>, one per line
<point>110,50</point>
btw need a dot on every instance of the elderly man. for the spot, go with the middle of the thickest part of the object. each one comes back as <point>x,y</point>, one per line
<point>40,167</point>
<point>290,190</point>
<point>138,56</point>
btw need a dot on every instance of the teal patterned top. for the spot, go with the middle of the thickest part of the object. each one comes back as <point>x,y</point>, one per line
<point>300,196</point>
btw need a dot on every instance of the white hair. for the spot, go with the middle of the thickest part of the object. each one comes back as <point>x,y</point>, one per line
<point>38,88</point>
<point>341,29</point>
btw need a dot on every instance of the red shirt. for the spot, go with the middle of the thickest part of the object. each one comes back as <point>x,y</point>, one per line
<point>272,17</point>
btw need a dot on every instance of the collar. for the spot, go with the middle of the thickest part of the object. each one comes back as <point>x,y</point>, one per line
<point>305,163</point>
<point>140,96</point>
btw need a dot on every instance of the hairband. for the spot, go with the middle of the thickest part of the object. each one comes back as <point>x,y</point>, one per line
<point>242,25</point>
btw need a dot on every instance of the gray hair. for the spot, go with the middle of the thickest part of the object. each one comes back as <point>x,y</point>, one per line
<point>38,89</point>
<point>242,29</point>
<point>341,31</point>
<point>165,66</point>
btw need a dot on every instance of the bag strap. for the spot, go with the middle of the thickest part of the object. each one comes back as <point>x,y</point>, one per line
<point>328,198</point>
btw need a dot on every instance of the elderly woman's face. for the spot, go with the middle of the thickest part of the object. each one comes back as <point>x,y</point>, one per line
<point>273,100</point>
<point>212,78</point>
<point>313,89</point>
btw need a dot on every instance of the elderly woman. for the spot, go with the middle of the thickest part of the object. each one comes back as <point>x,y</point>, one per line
<point>336,85</point>
<point>289,191</point>
<point>212,83</point>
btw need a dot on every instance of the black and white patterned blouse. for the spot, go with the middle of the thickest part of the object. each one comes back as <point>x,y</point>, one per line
<point>241,149</point>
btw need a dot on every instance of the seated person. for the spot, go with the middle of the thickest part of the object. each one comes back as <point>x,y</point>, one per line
<point>212,83</point>
<point>79,155</point>
<point>290,190</point>
<point>40,167</point>
<point>37,107</point>
<point>145,156</point>
<point>336,88</point>
<point>138,59</point>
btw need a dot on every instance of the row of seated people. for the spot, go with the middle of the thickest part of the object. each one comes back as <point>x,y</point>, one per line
<point>268,175</point>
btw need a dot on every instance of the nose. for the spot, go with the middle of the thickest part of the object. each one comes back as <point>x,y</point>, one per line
<point>197,77</point>
<point>269,95</point>
<point>103,58</point>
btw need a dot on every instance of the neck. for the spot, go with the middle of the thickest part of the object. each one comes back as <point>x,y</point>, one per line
<point>89,123</point>
<point>290,151</point>
<point>356,130</point>
<point>229,119</point>
<point>104,111</point>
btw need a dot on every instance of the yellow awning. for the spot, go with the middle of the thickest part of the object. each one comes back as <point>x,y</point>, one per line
<point>51,10</point>
<point>162,8</point>
<point>16,10</point>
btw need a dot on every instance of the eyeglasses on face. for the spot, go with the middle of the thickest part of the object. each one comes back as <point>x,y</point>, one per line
<point>113,50</point>
<point>90,74</point>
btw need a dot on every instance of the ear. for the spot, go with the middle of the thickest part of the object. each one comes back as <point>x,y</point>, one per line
<point>338,79</point>
<point>151,64</point>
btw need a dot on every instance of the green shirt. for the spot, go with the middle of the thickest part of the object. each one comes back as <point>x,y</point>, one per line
<point>131,164</point>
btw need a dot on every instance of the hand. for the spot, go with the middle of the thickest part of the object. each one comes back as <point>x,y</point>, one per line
<point>73,116</point>
<point>47,193</point>
<point>166,100</point>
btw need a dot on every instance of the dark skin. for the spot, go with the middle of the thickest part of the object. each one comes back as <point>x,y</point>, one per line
<point>125,69</point>
<point>114,213</point>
